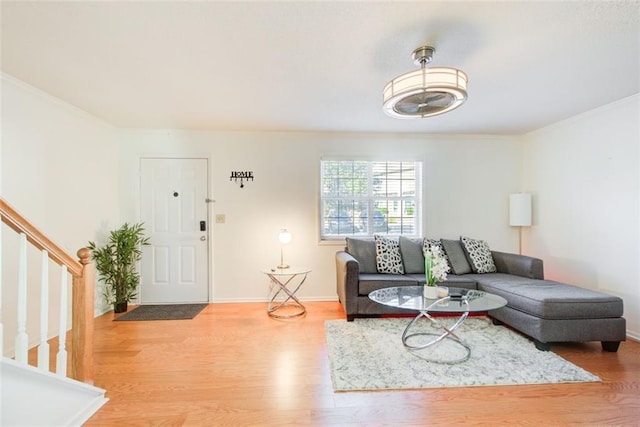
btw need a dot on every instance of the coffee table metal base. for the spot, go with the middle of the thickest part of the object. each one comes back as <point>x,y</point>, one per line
<point>447,332</point>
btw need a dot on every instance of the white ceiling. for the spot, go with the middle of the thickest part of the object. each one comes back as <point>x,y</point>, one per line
<point>319,65</point>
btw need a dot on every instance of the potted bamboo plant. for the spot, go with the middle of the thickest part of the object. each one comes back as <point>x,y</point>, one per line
<point>116,264</point>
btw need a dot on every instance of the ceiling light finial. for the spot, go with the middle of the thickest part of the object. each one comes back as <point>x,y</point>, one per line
<point>425,92</point>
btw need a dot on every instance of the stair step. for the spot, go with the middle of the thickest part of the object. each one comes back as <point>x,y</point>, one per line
<point>31,397</point>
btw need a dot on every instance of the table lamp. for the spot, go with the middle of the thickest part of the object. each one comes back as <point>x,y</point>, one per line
<point>284,237</point>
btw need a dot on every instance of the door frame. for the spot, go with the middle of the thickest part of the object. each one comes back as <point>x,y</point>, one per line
<point>209,214</point>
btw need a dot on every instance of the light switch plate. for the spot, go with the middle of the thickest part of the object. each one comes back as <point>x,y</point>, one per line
<point>221,218</point>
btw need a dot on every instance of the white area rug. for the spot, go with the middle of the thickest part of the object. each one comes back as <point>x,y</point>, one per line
<point>368,354</point>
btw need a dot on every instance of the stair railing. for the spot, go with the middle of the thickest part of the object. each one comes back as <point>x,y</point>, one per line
<point>82,274</point>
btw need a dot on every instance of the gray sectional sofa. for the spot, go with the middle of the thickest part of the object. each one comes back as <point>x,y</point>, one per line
<point>544,310</point>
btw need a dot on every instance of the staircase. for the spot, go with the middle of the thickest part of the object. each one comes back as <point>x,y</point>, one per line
<point>32,395</point>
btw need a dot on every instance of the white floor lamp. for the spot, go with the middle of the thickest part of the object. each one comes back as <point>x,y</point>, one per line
<point>520,213</point>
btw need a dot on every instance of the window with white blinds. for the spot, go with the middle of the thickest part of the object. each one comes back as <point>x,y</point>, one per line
<point>363,198</point>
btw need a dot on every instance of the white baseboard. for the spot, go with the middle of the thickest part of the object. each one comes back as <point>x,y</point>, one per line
<point>265,300</point>
<point>633,337</point>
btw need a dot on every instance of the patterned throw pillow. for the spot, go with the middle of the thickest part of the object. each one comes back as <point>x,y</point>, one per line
<point>479,255</point>
<point>427,243</point>
<point>388,259</point>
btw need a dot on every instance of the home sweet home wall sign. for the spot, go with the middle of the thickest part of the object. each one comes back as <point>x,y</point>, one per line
<point>242,176</point>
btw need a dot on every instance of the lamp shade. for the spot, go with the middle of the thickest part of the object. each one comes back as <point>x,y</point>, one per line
<point>284,236</point>
<point>425,93</point>
<point>520,209</point>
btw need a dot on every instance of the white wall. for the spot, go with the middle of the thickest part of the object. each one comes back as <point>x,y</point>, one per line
<point>585,178</point>
<point>467,181</point>
<point>59,169</point>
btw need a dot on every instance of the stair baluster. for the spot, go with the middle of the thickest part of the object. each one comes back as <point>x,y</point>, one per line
<point>1,330</point>
<point>22,339</point>
<point>61,357</point>
<point>43,348</point>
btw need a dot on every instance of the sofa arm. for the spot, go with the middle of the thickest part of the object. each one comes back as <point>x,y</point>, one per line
<point>519,265</point>
<point>347,278</point>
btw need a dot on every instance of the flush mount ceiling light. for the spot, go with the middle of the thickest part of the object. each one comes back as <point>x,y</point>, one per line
<point>425,92</point>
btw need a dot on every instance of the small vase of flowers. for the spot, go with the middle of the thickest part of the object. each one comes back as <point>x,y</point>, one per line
<point>435,270</point>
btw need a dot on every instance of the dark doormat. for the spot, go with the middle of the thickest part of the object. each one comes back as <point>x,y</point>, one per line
<point>163,312</point>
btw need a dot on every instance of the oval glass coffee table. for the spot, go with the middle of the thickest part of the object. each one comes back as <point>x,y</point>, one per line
<point>463,301</point>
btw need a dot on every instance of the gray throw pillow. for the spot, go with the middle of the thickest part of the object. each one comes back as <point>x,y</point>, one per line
<point>479,255</point>
<point>457,257</point>
<point>364,251</point>
<point>412,256</point>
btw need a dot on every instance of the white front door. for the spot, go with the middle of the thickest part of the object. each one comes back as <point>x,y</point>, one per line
<point>175,267</point>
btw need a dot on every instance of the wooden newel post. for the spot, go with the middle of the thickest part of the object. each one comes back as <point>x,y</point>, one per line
<point>82,320</point>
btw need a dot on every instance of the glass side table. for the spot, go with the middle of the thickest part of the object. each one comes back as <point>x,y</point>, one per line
<point>284,304</point>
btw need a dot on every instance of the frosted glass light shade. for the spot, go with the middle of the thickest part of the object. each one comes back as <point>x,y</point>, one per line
<point>520,210</point>
<point>284,236</point>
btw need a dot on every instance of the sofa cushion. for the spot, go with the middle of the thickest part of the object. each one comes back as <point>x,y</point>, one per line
<point>412,256</point>
<point>479,255</point>
<point>548,299</point>
<point>388,259</point>
<point>457,258</point>
<point>465,282</point>
<point>453,281</point>
<point>364,251</point>
<point>372,282</point>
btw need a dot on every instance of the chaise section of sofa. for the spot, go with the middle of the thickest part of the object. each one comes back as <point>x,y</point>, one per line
<point>549,311</point>
<point>544,310</point>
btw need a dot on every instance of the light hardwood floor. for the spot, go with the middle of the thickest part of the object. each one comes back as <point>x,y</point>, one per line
<point>233,365</point>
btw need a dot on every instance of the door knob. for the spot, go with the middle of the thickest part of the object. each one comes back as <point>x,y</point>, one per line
<point>203,238</point>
